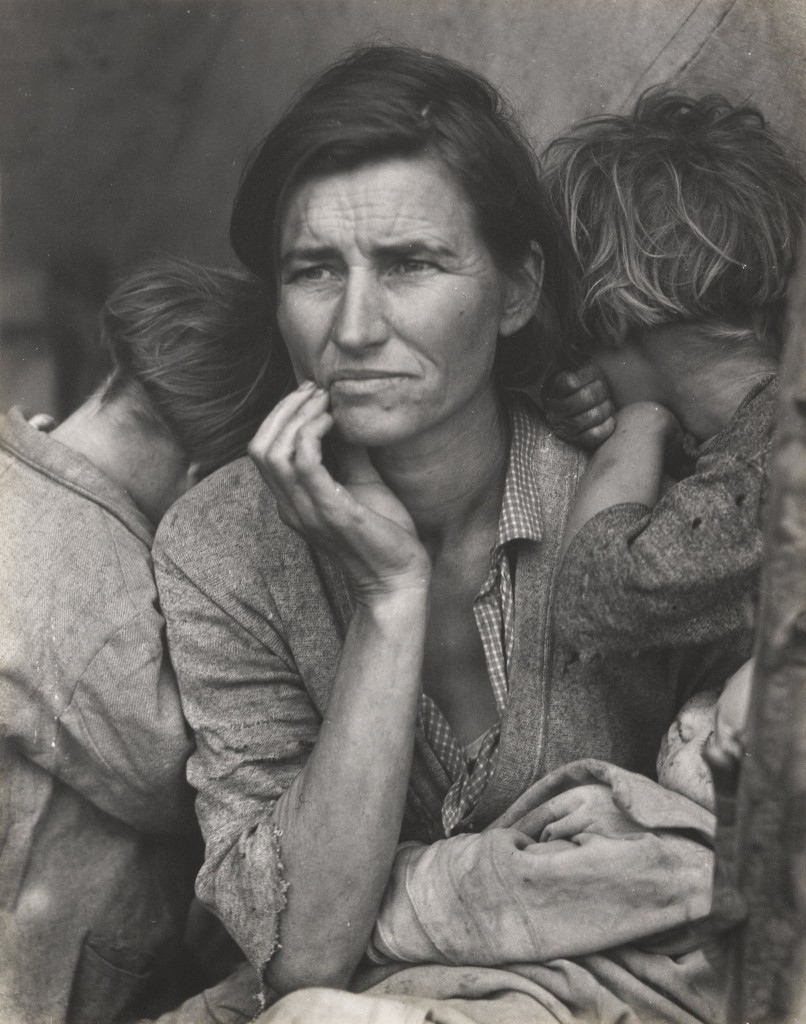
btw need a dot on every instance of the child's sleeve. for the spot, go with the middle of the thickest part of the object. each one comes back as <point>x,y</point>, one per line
<point>680,574</point>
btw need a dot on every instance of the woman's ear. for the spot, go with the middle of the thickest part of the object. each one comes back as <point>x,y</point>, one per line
<point>524,287</point>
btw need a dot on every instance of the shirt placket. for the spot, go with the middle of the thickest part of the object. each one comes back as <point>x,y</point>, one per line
<point>493,612</point>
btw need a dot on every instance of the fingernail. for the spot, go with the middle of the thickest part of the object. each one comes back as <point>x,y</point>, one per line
<point>307,385</point>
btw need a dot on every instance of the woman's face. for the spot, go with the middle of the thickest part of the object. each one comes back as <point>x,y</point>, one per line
<point>390,299</point>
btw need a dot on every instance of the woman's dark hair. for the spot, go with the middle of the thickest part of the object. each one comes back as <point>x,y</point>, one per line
<point>392,101</point>
<point>194,348</point>
<point>683,210</point>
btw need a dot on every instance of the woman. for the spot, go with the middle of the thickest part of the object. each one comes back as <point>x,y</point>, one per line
<point>363,645</point>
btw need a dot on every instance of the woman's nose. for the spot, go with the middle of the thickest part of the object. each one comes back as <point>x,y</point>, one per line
<point>359,319</point>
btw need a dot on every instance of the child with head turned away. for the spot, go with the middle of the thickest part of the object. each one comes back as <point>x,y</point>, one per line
<point>99,846</point>
<point>685,216</point>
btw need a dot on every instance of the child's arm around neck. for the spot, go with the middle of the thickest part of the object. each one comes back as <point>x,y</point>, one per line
<point>628,468</point>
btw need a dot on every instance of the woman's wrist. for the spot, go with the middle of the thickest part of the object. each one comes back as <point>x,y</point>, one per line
<point>395,599</point>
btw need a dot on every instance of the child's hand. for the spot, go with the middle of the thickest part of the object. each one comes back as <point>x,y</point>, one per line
<point>579,408</point>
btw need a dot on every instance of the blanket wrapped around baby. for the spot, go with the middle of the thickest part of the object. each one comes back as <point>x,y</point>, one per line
<point>588,900</point>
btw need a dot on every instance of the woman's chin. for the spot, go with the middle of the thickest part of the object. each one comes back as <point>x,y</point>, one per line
<point>370,428</point>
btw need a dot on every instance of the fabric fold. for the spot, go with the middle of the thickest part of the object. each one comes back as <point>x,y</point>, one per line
<point>589,858</point>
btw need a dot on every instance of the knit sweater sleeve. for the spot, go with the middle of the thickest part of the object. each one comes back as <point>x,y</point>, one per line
<point>253,721</point>
<point>680,574</point>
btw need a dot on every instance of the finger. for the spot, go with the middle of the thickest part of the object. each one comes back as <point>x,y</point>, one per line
<point>282,413</point>
<point>591,417</point>
<point>307,453</point>
<point>570,429</point>
<point>285,465</point>
<point>276,442</point>
<point>287,440</point>
<point>589,438</point>
<point>42,421</point>
<point>306,484</point>
<point>295,504</point>
<point>593,437</point>
<point>587,397</point>
<point>568,381</point>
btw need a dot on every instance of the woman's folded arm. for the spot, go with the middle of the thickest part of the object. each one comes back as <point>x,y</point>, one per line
<point>576,874</point>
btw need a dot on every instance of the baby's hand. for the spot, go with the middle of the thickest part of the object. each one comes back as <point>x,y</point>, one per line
<point>42,421</point>
<point>579,408</point>
<point>731,716</point>
<point>726,748</point>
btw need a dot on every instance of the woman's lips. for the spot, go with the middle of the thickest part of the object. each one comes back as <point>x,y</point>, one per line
<point>365,382</point>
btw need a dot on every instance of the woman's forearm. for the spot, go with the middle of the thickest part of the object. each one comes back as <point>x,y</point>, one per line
<point>340,819</point>
<point>580,868</point>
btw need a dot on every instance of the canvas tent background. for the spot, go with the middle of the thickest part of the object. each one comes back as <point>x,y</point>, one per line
<point>124,123</point>
<point>123,128</point>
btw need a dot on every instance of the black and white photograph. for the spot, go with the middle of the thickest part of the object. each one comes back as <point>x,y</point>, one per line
<point>402,512</point>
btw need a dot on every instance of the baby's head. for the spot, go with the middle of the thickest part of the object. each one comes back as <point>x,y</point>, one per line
<point>193,358</point>
<point>713,718</point>
<point>683,211</point>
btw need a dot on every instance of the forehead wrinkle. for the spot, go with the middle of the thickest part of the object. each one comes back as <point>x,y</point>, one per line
<point>360,210</point>
<point>304,221</point>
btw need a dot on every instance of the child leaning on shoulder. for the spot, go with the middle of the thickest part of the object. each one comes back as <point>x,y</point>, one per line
<point>100,847</point>
<point>684,216</point>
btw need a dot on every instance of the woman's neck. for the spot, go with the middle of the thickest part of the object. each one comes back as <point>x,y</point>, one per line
<point>452,480</point>
<point>145,463</point>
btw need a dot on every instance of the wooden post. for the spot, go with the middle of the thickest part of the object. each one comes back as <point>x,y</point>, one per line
<point>769,982</point>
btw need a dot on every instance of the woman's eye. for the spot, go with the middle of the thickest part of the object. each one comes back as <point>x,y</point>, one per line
<point>314,273</point>
<point>413,266</point>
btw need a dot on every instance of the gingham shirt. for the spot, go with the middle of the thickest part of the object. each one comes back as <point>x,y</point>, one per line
<point>494,612</point>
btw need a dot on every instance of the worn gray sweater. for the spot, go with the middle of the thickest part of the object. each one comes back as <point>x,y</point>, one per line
<point>255,625</point>
<point>685,572</point>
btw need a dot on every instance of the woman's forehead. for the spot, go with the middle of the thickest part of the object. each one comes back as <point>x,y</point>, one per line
<point>387,202</point>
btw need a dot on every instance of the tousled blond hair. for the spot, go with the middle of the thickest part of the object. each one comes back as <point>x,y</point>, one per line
<point>684,210</point>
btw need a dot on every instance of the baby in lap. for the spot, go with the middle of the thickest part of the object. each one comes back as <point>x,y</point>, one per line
<point>707,734</point>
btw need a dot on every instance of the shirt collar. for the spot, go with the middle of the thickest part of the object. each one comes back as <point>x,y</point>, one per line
<point>520,511</point>
<point>45,455</point>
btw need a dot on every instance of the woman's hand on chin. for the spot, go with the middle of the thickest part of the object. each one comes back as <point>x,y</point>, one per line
<point>356,520</point>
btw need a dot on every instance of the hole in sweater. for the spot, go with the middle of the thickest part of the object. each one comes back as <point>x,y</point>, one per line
<point>695,523</point>
<point>740,500</point>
